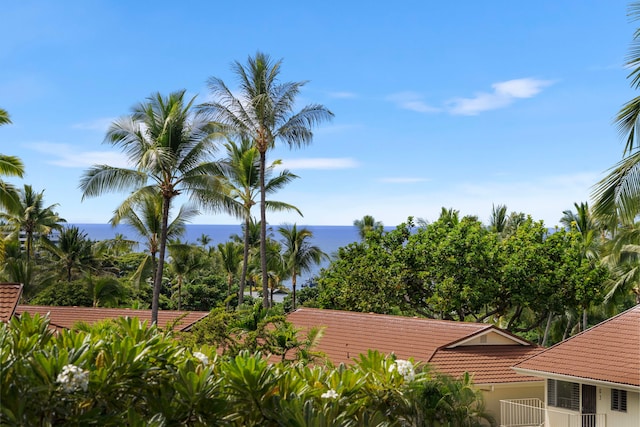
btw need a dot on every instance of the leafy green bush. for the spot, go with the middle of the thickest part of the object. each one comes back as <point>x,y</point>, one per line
<point>126,373</point>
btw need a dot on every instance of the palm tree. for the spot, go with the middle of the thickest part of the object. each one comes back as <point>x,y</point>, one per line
<point>263,111</point>
<point>145,217</point>
<point>32,218</point>
<point>300,255</point>
<point>231,256</point>
<point>250,237</point>
<point>366,225</point>
<point>9,166</point>
<point>117,246</point>
<point>618,194</point>
<point>73,251</point>
<point>498,218</point>
<point>204,240</point>
<point>4,117</point>
<point>169,148</point>
<point>242,174</point>
<point>185,259</point>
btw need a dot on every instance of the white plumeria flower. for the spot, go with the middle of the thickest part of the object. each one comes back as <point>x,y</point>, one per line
<point>330,394</point>
<point>404,368</point>
<point>201,357</point>
<point>72,378</point>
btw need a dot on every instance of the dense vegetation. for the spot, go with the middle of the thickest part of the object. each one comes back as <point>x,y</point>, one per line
<point>126,373</point>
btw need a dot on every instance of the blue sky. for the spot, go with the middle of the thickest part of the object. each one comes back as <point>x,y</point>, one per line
<point>437,104</point>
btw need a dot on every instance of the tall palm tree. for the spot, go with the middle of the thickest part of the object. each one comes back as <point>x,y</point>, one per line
<point>299,255</point>
<point>145,217</point>
<point>242,174</point>
<point>366,225</point>
<point>32,218</point>
<point>617,196</point>
<point>263,111</point>
<point>169,148</point>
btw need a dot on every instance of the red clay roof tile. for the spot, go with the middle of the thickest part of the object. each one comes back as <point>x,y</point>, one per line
<point>349,334</point>
<point>489,364</point>
<point>609,351</point>
<point>9,297</point>
<point>67,317</point>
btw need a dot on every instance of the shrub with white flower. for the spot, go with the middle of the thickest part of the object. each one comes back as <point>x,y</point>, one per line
<point>201,357</point>
<point>404,368</point>
<point>330,394</point>
<point>73,378</point>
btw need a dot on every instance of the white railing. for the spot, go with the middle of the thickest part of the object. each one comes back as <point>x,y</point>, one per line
<point>522,413</point>
<point>588,420</point>
<point>532,413</point>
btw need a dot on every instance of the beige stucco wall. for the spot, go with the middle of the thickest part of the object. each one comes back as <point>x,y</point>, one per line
<point>631,418</point>
<point>558,417</point>
<point>525,390</point>
<point>491,338</point>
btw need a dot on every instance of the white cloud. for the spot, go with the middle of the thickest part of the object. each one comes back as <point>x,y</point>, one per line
<point>342,95</point>
<point>402,180</point>
<point>504,93</point>
<point>100,125</point>
<point>65,155</point>
<point>319,163</point>
<point>412,101</point>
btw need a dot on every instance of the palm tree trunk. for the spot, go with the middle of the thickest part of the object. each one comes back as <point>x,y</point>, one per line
<point>293,286</point>
<point>245,259</point>
<point>263,232</point>
<point>157,283</point>
<point>547,329</point>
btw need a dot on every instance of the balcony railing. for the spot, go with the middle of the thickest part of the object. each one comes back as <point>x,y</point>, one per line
<point>532,413</point>
<point>522,413</point>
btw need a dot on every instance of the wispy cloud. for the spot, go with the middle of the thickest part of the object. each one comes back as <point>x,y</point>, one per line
<point>67,156</point>
<point>320,163</point>
<point>504,93</point>
<point>342,95</point>
<point>402,180</point>
<point>412,101</point>
<point>100,125</point>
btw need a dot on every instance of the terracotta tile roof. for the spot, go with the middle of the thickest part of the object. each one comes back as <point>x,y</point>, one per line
<point>609,352</point>
<point>9,297</point>
<point>66,317</point>
<point>489,364</point>
<point>348,334</point>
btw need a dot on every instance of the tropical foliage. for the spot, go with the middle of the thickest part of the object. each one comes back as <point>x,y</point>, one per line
<point>126,373</point>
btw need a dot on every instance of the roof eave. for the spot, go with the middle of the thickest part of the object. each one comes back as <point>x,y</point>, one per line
<point>573,378</point>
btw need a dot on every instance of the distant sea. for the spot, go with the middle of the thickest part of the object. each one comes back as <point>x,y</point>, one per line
<point>327,237</point>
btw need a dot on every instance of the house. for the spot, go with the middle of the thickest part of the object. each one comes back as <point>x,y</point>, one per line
<point>10,294</point>
<point>67,317</point>
<point>591,379</point>
<point>483,350</point>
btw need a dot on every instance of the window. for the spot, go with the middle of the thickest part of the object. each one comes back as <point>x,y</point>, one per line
<point>618,400</point>
<point>563,394</point>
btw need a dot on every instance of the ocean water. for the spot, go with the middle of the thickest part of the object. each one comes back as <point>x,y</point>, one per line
<point>327,237</point>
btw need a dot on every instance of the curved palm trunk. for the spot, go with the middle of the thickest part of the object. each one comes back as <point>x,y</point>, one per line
<point>245,259</point>
<point>157,283</point>
<point>263,232</point>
